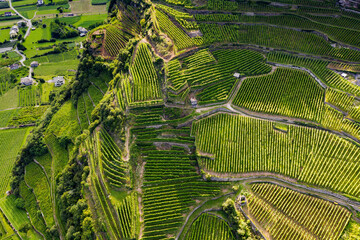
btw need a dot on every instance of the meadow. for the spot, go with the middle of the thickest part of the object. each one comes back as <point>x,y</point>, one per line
<point>11,142</point>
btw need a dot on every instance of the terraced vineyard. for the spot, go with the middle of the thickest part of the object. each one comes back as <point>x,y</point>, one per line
<point>275,37</point>
<point>145,82</point>
<point>319,68</point>
<point>180,120</point>
<point>287,214</point>
<point>171,183</point>
<point>180,38</point>
<point>208,226</point>
<point>251,145</point>
<point>287,92</point>
<point>210,74</point>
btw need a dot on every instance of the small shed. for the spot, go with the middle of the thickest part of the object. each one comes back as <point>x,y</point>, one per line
<point>344,75</point>
<point>34,64</point>
<point>59,81</point>
<point>238,75</point>
<point>40,2</point>
<point>27,81</point>
<point>193,101</point>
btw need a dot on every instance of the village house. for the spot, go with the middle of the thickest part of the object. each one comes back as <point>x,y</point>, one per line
<point>14,31</point>
<point>27,81</point>
<point>34,64</point>
<point>8,14</point>
<point>82,31</point>
<point>14,66</point>
<point>59,81</point>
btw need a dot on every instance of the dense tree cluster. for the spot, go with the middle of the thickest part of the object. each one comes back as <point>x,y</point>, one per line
<point>61,30</point>
<point>238,224</point>
<point>74,210</point>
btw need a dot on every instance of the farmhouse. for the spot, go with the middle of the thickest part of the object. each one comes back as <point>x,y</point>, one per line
<point>15,28</point>
<point>34,64</point>
<point>8,14</point>
<point>13,33</point>
<point>82,31</point>
<point>26,81</point>
<point>14,66</point>
<point>59,80</point>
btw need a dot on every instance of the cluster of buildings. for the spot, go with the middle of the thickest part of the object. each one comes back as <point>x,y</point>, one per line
<point>82,31</point>
<point>58,81</point>
<point>15,28</point>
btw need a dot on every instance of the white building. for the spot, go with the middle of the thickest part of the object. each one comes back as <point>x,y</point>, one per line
<point>34,64</point>
<point>59,81</point>
<point>82,31</point>
<point>13,33</point>
<point>344,75</point>
<point>193,101</point>
<point>26,81</point>
<point>40,2</point>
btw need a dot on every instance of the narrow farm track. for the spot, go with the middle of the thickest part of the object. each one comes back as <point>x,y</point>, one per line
<point>196,208</point>
<point>352,205</point>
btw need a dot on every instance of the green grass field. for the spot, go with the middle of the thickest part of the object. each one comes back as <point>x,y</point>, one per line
<point>5,117</point>
<point>64,122</point>
<point>9,99</point>
<point>84,20</point>
<point>10,144</point>
<point>4,35</point>
<point>54,68</point>
<point>23,2</point>
<point>58,154</point>
<point>46,162</point>
<point>27,11</point>
<point>18,218</point>
<point>36,178</point>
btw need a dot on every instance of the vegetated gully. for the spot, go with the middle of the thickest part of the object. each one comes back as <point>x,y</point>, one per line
<point>208,110</point>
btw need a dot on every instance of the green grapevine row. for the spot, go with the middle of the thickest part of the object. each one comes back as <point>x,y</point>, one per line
<point>275,37</point>
<point>111,162</point>
<point>339,99</point>
<point>336,33</point>
<point>180,38</point>
<point>128,211</point>
<point>209,226</point>
<point>244,144</point>
<point>214,79</point>
<point>319,68</point>
<point>302,216</point>
<point>288,92</point>
<point>146,85</point>
<point>171,182</point>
